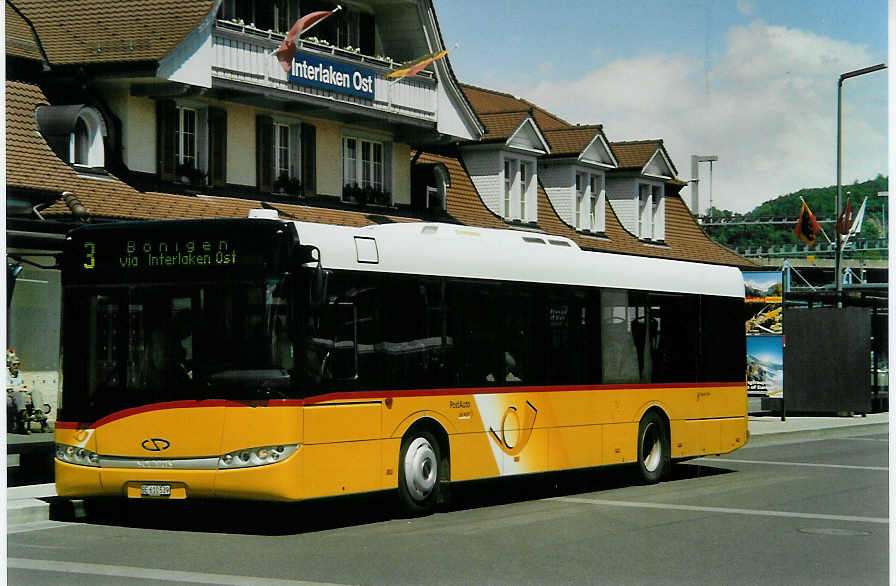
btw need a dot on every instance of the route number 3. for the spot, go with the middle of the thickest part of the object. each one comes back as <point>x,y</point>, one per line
<point>90,254</point>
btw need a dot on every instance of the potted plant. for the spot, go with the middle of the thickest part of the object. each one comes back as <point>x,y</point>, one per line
<point>280,182</point>
<point>294,186</point>
<point>382,197</point>
<point>190,175</point>
<point>351,193</point>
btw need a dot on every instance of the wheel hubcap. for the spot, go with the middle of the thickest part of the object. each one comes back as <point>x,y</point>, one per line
<point>651,448</point>
<point>420,469</point>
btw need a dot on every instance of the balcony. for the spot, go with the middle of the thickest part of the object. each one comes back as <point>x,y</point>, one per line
<point>242,54</point>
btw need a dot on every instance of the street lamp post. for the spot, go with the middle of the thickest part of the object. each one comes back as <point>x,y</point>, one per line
<point>837,277</point>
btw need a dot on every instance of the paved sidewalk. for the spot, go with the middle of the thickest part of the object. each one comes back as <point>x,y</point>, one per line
<point>767,429</point>
<point>24,504</point>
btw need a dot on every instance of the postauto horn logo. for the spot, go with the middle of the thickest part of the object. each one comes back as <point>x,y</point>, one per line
<point>155,444</point>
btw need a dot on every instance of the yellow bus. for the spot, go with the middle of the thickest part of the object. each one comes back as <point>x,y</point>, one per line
<point>277,360</point>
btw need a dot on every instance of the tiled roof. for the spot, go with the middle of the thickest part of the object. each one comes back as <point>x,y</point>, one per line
<point>19,38</point>
<point>501,125</point>
<point>685,240</point>
<point>635,154</point>
<point>571,140</point>
<point>485,101</point>
<point>102,31</point>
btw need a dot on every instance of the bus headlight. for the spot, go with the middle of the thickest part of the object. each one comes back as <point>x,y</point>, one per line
<point>250,457</point>
<point>76,455</point>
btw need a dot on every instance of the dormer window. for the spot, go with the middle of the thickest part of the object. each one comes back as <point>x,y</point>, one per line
<point>80,143</point>
<point>589,202</point>
<point>519,189</point>
<point>650,212</point>
<point>524,188</point>
<point>84,133</point>
<point>597,203</point>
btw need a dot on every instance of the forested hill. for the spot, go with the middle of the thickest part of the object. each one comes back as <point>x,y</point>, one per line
<point>821,201</point>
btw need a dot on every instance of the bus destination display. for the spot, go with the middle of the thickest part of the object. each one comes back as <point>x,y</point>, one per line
<point>159,254</point>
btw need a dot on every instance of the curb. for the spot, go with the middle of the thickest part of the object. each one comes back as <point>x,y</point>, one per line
<point>26,511</point>
<point>24,504</point>
<point>800,435</point>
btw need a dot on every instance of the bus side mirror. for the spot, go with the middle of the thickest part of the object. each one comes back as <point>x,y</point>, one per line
<point>308,256</point>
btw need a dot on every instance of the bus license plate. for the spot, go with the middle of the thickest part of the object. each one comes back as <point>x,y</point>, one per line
<point>155,490</point>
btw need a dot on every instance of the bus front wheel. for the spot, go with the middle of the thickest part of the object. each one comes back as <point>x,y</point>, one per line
<point>653,448</point>
<point>418,478</point>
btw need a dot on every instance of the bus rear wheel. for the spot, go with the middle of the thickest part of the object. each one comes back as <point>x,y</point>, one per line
<point>653,448</point>
<point>418,477</point>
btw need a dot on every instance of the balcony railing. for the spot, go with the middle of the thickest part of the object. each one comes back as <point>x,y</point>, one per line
<point>243,54</point>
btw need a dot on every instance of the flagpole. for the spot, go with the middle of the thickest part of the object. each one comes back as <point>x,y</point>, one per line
<point>314,24</point>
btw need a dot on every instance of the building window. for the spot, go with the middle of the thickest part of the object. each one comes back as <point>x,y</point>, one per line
<point>364,168</point>
<point>186,137</point>
<point>508,185</point>
<point>519,178</point>
<point>596,206</point>
<point>650,212</point>
<point>286,13</point>
<point>85,141</point>
<point>643,209</point>
<point>81,140</point>
<point>657,218</point>
<point>580,198</point>
<point>281,150</point>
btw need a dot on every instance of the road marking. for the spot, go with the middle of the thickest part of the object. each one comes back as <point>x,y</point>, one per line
<point>806,464</point>
<point>725,510</point>
<point>863,439</point>
<point>152,573</point>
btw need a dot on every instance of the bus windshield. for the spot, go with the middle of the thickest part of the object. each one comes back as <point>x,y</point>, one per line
<point>129,346</point>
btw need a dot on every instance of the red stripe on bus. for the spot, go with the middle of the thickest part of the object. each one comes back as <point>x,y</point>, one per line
<point>189,404</point>
<point>354,395</point>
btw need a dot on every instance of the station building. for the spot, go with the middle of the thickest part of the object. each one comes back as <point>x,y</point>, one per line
<point>163,109</point>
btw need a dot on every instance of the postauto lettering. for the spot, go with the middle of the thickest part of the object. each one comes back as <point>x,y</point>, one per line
<point>339,77</point>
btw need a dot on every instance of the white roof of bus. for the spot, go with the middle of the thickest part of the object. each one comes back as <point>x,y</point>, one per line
<point>450,250</point>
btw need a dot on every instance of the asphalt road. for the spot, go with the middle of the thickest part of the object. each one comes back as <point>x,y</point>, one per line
<point>796,513</point>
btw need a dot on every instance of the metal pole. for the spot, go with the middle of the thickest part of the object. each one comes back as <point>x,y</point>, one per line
<point>837,282</point>
<point>839,249</point>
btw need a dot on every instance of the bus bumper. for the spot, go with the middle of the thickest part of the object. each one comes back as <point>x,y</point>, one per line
<point>281,481</point>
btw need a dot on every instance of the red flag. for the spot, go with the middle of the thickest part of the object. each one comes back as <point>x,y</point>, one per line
<point>287,49</point>
<point>806,227</point>
<point>844,222</point>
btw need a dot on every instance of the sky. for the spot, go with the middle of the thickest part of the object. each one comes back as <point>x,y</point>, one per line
<point>753,82</point>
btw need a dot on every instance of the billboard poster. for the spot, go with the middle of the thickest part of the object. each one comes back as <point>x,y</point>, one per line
<point>763,310</point>
<point>765,366</point>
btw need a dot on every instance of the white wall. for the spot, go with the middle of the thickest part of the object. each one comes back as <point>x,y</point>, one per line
<point>622,195</point>
<point>138,124</point>
<point>486,173</point>
<point>559,184</point>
